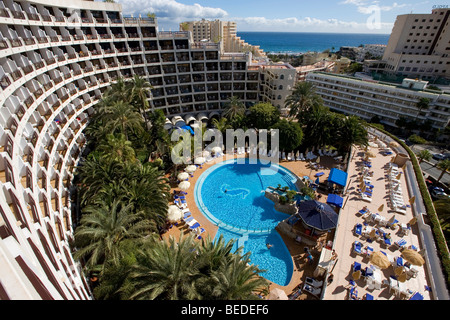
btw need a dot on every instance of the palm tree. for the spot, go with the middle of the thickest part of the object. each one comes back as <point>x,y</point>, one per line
<point>424,155</point>
<point>303,98</point>
<point>444,165</point>
<point>102,230</point>
<point>350,131</point>
<point>120,115</point>
<point>117,148</point>
<point>227,275</point>
<point>423,103</point>
<point>236,279</point>
<point>139,90</point>
<point>234,107</point>
<point>318,126</point>
<point>221,124</point>
<point>165,270</point>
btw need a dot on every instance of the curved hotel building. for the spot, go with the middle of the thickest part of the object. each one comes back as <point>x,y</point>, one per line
<point>56,60</point>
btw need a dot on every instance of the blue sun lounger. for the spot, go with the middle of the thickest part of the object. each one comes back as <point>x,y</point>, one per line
<point>416,296</point>
<point>356,266</point>
<point>357,247</point>
<point>387,241</point>
<point>400,243</point>
<point>194,226</point>
<point>358,229</point>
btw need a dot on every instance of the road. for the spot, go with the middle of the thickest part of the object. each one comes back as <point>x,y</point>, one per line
<point>429,167</point>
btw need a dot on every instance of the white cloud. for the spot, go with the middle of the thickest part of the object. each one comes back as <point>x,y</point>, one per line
<point>308,24</point>
<point>368,7</point>
<point>171,9</point>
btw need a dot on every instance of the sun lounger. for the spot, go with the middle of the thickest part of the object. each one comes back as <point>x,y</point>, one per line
<point>294,295</point>
<point>416,296</point>
<point>369,251</point>
<point>283,156</point>
<point>313,282</point>
<point>358,229</point>
<point>357,247</point>
<point>365,197</point>
<point>310,289</point>
<point>353,293</point>
<point>368,296</point>
<point>387,241</point>
<point>399,210</point>
<point>400,243</point>
<point>194,226</point>
<point>356,266</point>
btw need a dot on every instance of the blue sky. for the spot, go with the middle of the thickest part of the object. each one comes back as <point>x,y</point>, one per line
<point>337,16</point>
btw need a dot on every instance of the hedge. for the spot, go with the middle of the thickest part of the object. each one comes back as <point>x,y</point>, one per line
<point>431,212</point>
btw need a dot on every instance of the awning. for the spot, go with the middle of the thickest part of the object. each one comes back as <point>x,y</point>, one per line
<point>338,177</point>
<point>335,200</point>
<point>187,128</point>
<point>317,215</point>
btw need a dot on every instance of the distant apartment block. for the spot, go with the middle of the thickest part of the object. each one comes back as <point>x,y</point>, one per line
<point>419,46</point>
<point>217,31</point>
<point>368,98</point>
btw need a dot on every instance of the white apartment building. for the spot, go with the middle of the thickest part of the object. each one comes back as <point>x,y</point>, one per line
<point>372,51</point>
<point>223,32</point>
<point>56,60</point>
<point>369,98</point>
<point>419,46</point>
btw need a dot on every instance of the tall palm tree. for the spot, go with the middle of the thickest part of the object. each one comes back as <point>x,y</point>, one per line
<point>424,155</point>
<point>117,148</point>
<point>318,126</point>
<point>350,130</point>
<point>234,107</point>
<point>423,103</point>
<point>236,279</point>
<point>444,165</point>
<point>165,270</point>
<point>221,124</point>
<point>103,228</point>
<point>303,98</point>
<point>121,116</point>
<point>139,90</point>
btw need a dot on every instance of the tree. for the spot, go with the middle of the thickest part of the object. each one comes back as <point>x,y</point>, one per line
<point>263,115</point>
<point>234,107</point>
<point>349,131</point>
<point>443,165</point>
<point>120,116</point>
<point>424,155</point>
<point>290,134</point>
<point>102,230</point>
<point>318,126</point>
<point>165,270</point>
<point>139,90</point>
<point>117,148</point>
<point>302,99</point>
<point>442,207</point>
<point>221,124</point>
<point>423,103</point>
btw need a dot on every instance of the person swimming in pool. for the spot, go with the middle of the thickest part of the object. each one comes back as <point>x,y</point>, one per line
<point>268,245</point>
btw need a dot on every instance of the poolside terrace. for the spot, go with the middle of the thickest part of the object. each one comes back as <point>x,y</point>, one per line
<point>343,238</point>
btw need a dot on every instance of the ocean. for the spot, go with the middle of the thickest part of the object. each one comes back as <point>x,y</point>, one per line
<point>301,42</point>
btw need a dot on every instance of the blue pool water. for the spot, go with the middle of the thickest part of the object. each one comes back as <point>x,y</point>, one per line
<point>231,195</point>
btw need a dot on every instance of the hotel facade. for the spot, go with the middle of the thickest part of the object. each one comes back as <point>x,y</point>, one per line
<point>419,46</point>
<point>56,60</point>
<point>387,101</point>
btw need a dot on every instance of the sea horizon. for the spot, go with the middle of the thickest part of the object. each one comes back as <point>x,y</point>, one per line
<point>294,42</point>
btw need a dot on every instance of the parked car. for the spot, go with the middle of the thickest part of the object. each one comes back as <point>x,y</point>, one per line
<point>439,156</point>
<point>438,193</point>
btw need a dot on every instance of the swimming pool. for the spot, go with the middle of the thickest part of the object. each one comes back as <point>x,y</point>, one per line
<point>231,195</point>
